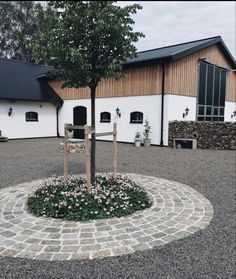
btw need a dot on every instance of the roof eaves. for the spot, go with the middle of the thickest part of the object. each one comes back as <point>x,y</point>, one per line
<point>41,76</point>
<point>56,100</point>
<point>152,60</point>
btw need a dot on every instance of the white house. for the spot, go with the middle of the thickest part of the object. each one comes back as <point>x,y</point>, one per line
<point>190,81</point>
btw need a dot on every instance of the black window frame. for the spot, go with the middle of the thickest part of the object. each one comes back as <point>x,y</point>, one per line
<point>106,119</point>
<point>31,116</point>
<point>134,119</point>
<point>211,108</point>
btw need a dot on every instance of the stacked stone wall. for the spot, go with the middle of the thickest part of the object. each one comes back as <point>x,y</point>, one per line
<point>209,135</point>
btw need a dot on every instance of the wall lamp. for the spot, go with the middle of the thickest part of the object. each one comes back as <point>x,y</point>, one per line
<point>10,111</point>
<point>186,112</point>
<point>234,114</point>
<point>118,112</point>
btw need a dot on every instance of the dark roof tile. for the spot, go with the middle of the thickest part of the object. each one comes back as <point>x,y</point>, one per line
<point>18,82</point>
<point>175,52</point>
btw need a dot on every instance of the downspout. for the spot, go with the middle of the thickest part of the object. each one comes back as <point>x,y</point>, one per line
<point>162,101</point>
<point>57,113</point>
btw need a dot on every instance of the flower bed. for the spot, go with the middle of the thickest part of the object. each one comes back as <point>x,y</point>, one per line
<point>108,198</point>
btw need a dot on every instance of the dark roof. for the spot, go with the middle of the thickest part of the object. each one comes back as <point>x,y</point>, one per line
<point>19,81</point>
<point>174,52</point>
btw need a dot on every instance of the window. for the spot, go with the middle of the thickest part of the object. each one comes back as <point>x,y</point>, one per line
<point>31,116</point>
<point>211,98</point>
<point>136,117</point>
<point>105,116</point>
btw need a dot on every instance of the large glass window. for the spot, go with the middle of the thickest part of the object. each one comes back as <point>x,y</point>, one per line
<point>211,98</point>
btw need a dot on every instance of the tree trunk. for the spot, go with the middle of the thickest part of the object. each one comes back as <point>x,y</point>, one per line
<point>93,139</point>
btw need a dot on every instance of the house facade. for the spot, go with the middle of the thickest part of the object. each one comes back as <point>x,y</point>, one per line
<point>158,86</point>
<point>28,105</point>
<point>192,81</point>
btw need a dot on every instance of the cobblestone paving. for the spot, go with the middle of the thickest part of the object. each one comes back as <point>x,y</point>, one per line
<point>177,211</point>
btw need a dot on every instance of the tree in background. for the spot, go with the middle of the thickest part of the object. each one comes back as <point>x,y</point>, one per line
<point>18,28</point>
<point>86,41</point>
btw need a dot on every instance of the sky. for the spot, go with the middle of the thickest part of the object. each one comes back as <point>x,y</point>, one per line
<point>168,22</point>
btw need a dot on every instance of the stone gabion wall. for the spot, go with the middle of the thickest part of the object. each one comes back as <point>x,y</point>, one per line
<point>209,135</point>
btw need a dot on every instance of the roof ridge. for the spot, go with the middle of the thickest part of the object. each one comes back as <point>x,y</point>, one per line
<point>179,44</point>
<point>24,62</point>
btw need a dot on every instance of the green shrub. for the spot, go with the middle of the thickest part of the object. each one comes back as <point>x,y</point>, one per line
<point>109,197</point>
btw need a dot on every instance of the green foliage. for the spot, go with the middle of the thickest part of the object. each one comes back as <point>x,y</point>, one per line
<point>18,28</point>
<point>86,40</point>
<point>108,198</point>
<point>137,136</point>
<point>147,129</point>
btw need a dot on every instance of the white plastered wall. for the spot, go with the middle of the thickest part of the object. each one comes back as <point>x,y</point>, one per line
<point>15,126</point>
<point>175,106</point>
<point>230,107</point>
<point>150,106</point>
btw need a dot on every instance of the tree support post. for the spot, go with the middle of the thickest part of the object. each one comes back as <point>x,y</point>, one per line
<point>93,139</point>
<point>65,155</point>
<point>87,158</point>
<point>114,150</point>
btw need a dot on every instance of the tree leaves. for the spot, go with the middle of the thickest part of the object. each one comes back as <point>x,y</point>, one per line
<point>18,28</point>
<point>86,40</point>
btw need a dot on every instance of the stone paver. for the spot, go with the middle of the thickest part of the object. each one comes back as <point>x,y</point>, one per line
<point>177,212</point>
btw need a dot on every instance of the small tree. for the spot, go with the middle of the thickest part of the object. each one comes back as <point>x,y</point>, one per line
<point>87,41</point>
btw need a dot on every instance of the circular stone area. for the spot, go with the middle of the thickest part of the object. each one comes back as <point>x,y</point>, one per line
<point>177,212</point>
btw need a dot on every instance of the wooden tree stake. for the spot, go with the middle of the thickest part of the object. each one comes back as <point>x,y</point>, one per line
<point>114,150</point>
<point>87,158</point>
<point>65,155</point>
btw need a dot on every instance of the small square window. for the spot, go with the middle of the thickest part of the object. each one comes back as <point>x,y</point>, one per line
<point>136,117</point>
<point>200,118</point>
<point>105,117</point>
<point>200,110</point>
<point>215,111</point>
<point>208,110</point>
<point>221,111</point>
<point>31,116</point>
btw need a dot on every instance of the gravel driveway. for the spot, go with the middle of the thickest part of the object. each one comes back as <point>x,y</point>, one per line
<point>206,254</point>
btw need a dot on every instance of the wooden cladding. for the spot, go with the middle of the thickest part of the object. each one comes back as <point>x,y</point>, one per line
<point>137,81</point>
<point>182,76</point>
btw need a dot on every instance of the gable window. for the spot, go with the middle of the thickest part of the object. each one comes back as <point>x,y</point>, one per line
<point>31,116</point>
<point>211,98</point>
<point>105,117</point>
<point>136,117</point>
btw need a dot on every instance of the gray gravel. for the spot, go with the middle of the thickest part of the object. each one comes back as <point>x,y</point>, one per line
<point>206,254</point>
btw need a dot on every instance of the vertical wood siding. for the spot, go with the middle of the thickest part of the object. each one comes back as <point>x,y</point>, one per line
<point>137,81</point>
<point>183,75</point>
<point>182,78</point>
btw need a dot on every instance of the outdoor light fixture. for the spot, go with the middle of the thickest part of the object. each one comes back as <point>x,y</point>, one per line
<point>234,114</point>
<point>118,112</point>
<point>10,111</point>
<point>186,112</point>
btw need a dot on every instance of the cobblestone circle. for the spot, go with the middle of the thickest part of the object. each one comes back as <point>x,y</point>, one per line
<point>177,212</point>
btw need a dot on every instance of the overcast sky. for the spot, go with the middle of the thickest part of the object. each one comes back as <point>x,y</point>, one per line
<point>166,22</point>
